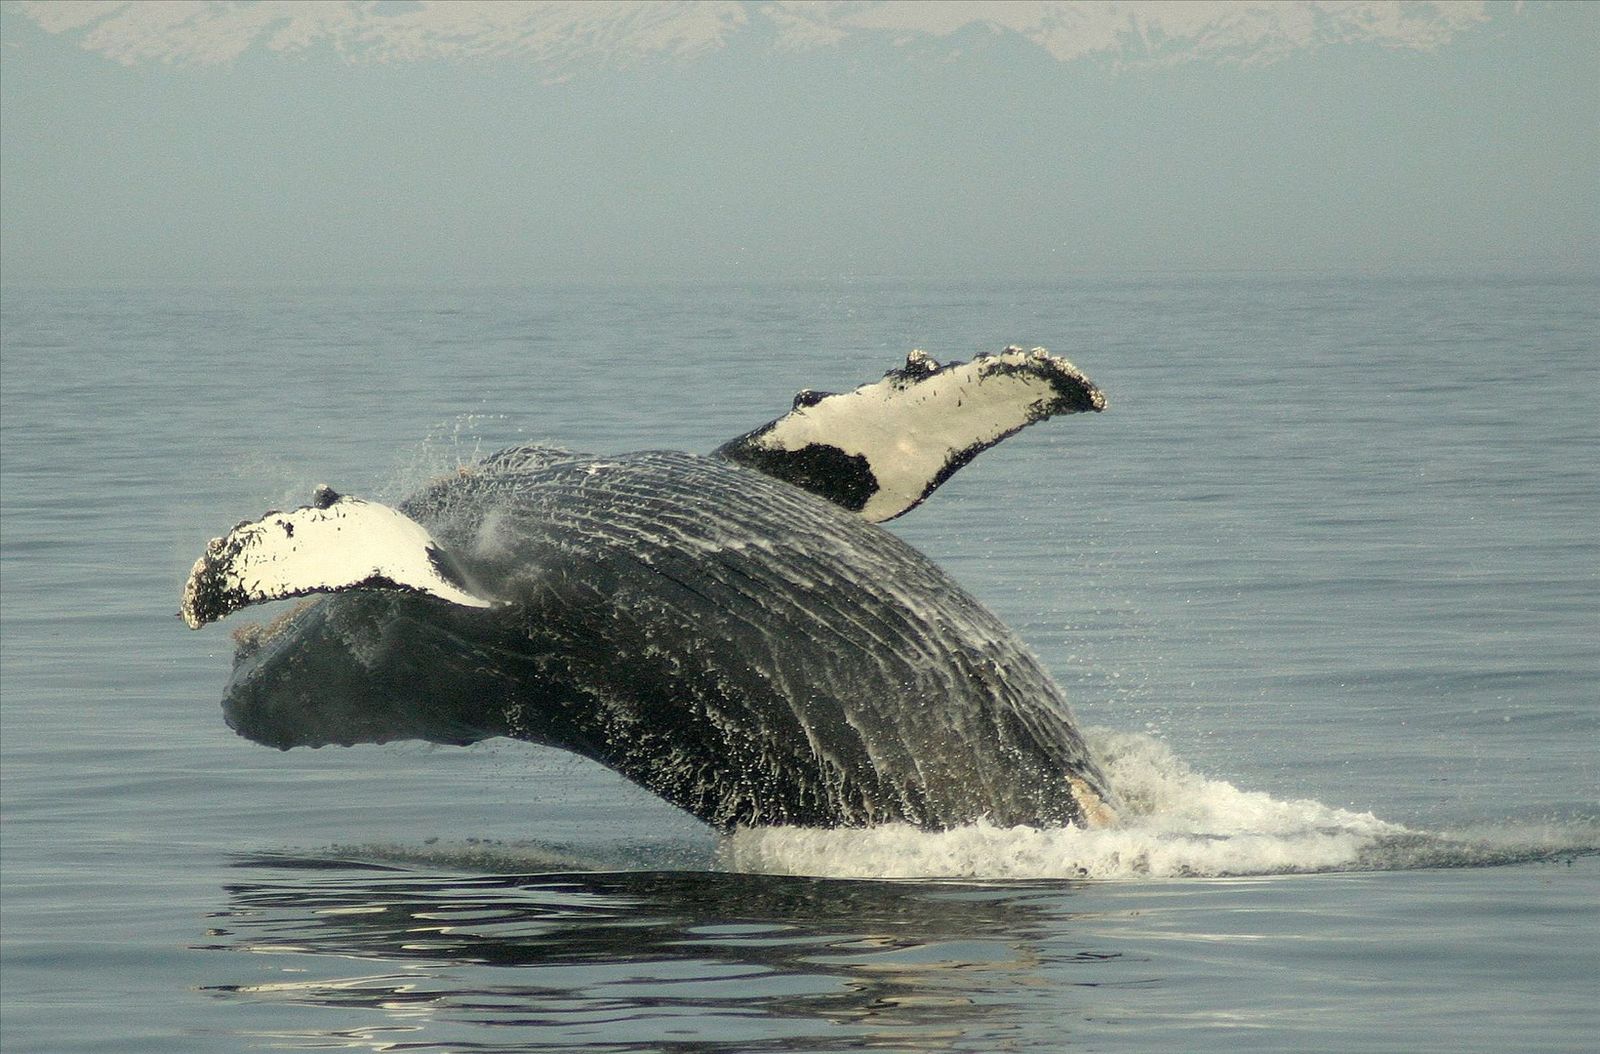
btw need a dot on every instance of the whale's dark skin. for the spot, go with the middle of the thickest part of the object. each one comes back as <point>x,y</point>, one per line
<point>748,651</point>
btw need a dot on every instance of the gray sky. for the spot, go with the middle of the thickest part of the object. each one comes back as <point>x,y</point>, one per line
<point>356,143</point>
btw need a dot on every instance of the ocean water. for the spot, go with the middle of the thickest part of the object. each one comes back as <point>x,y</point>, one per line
<point>1323,583</point>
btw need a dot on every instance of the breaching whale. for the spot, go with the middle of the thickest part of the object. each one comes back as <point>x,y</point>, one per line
<point>733,632</point>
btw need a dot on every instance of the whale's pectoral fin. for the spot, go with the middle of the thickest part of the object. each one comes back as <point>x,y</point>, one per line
<point>334,544</point>
<point>883,448</point>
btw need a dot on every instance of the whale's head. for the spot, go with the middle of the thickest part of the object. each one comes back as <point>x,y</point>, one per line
<point>370,666</point>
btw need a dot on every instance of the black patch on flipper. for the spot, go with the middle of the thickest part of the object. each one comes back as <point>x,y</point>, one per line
<point>214,597</point>
<point>826,471</point>
<point>1073,394</point>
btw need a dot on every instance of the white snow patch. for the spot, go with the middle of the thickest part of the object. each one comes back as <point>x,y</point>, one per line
<point>563,37</point>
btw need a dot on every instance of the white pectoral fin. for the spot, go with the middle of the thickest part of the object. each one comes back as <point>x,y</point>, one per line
<point>881,449</point>
<point>335,544</point>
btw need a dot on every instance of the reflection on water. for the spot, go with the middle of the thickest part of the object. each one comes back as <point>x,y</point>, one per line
<point>650,960</point>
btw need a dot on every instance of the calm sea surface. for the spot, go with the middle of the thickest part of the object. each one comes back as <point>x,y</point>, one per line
<point>1324,581</point>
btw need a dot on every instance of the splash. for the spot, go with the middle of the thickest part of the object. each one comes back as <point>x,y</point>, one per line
<point>448,448</point>
<point>1175,823</point>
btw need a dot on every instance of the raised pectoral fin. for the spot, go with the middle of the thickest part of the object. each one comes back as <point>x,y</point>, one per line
<point>337,543</point>
<point>883,448</point>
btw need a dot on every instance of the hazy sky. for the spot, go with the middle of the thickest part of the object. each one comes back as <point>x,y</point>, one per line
<point>371,142</point>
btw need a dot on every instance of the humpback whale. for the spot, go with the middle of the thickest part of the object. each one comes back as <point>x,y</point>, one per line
<point>732,631</point>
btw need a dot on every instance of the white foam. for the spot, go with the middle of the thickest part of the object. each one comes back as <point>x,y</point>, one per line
<point>1175,823</point>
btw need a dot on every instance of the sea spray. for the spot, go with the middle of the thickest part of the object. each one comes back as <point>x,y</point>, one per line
<point>1175,823</point>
